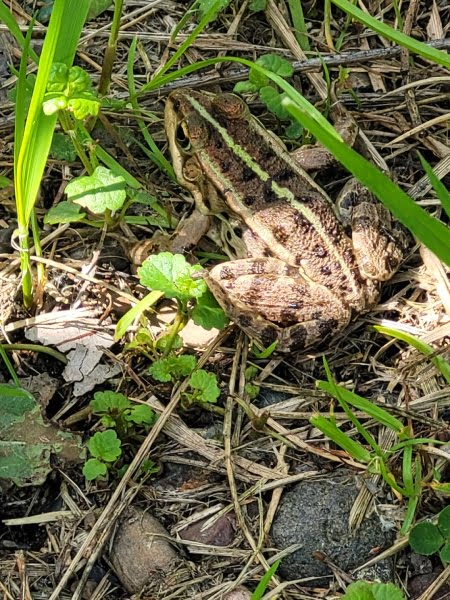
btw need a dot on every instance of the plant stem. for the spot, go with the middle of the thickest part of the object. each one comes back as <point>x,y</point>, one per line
<point>110,52</point>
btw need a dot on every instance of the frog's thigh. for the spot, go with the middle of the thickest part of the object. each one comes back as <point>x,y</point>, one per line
<point>271,301</point>
<point>378,242</point>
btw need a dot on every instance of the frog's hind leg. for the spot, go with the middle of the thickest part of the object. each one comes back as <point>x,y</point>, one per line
<point>271,301</point>
<point>379,242</point>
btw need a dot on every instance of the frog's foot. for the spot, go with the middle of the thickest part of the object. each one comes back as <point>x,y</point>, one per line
<point>379,242</point>
<point>315,157</point>
<point>271,301</point>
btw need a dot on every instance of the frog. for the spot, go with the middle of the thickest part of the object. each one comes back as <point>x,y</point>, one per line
<point>305,266</point>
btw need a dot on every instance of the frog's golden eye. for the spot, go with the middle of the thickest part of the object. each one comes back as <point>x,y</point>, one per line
<point>182,137</point>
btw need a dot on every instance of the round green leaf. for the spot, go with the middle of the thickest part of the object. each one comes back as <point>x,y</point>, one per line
<point>444,522</point>
<point>425,538</point>
<point>444,553</point>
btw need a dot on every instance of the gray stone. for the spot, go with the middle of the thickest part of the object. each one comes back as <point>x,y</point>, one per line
<point>315,515</point>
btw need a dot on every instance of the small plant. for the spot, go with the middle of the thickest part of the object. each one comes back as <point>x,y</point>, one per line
<point>410,484</point>
<point>268,91</point>
<point>265,580</point>
<point>365,590</point>
<point>428,538</point>
<point>171,275</point>
<point>120,417</point>
<point>203,386</point>
<point>105,448</point>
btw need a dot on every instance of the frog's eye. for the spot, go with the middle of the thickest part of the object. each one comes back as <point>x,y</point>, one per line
<point>182,137</point>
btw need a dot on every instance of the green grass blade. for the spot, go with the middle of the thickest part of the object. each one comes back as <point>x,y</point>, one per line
<point>438,361</point>
<point>437,56</point>
<point>265,580</point>
<point>155,153</point>
<point>440,189</point>
<point>434,234</point>
<point>332,431</point>
<point>382,416</point>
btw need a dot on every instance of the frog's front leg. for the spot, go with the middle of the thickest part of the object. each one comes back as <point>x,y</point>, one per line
<point>271,301</point>
<point>379,242</point>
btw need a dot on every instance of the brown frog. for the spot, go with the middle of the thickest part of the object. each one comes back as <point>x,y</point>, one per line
<point>299,277</point>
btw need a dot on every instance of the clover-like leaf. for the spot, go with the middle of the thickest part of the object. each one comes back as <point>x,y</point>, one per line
<point>98,192</point>
<point>444,521</point>
<point>273,100</point>
<point>94,468</point>
<point>208,314</point>
<point>58,77</point>
<point>107,402</point>
<point>142,414</point>
<point>206,386</point>
<point>52,105</point>
<point>172,274</point>
<point>105,445</point>
<point>78,81</point>
<point>172,367</point>
<point>277,64</point>
<point>425,538</point>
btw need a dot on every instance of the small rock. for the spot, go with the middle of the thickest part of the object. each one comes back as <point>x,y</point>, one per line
<point>220,533</point>
<point>140,550</point>
<point>240,593</point>
<point>418,585</point>
<point>314,514</point>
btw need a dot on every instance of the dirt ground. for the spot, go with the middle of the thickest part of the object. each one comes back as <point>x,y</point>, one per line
<point>234,463</point>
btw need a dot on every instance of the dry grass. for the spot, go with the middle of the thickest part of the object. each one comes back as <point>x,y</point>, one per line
<point>401,106</point>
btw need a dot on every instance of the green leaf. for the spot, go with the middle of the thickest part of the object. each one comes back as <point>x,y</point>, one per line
<point>27,443</point>
<point>173,367</point>
<point>386,591</point>
<point>257,5</point>
<point>360,590</point>
<point>142,415</point>
<point>207,313</point>
<point>364,590</point>
<point>294,130</point>
<point>98,192</point>
<point>425,538</point>
<point>328,428</point>
<point>62,148</point>
<point>444,553</point>
<point>105,445</point>
<point>172,274</point>
<point>206,384</point>
<point>438,186</point>
<point>93,469</point>
<point>205,5</point>
<point>276,64</point>
<point>376,412</point>
<point>265,580</point>
<point>84,106</point>
<point>148,467</point>
<point>444,522</point>
<point>273,100</point>
<point>4,182</point>
<point>108,402</point>
<point>64,212</point>
<point>52,105</point>
<point>97,7</point>
<point>245,87</point>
